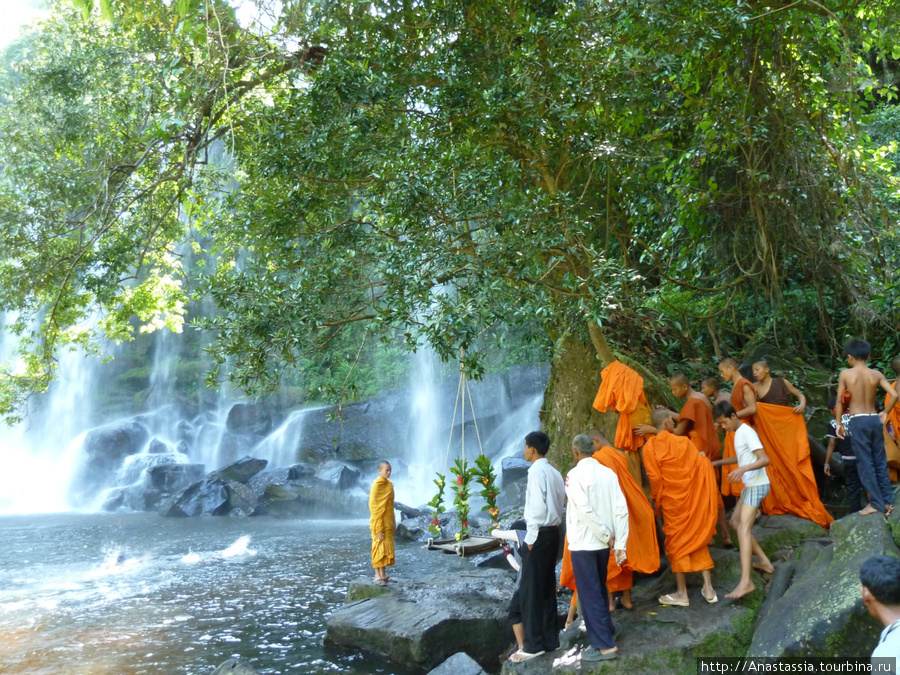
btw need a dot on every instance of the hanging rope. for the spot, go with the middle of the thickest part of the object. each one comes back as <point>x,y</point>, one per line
<point>455,405</point>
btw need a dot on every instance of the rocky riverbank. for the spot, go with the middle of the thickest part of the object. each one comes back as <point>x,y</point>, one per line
<point>809,606</point>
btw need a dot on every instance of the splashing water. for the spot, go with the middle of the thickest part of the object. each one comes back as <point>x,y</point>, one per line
<point>238,548</point>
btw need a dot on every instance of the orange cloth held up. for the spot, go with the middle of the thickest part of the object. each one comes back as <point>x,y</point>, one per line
<point>642,548</point>
<point>381,509</point>
<point>683,486</point>
<point>891,448</point>
<point>794,489</point>
<point>703,427</point>
<point>622,389</point>
<point>566,573</point>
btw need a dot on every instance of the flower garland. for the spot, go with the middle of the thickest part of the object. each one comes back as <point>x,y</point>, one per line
<point>485,473</point>
<point>463,474</point>
<point>437,503</point>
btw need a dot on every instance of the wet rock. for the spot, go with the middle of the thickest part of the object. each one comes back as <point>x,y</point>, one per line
<point>249,419</point>
<point>240,471</point>
<point>185,431</point>
<point>135,466</point>
<point>233,445</point>
<point>458,664</point>
<point>821,613</point>
<point>102,453</point>
<point>409,511</point>
<point>234,667</point>
<point>309,496</point>
<point>421,623</point>
<point>172,478</point>
<point>338,475</point>
<point>263,479</point>
<point>212,496</point>
<point>513,469</point>
<point>158,447</point>
<point>416,529</point>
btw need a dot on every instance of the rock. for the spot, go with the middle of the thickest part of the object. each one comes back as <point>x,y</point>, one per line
<point>422,623</point>
<point>234,667</point>
<point>135,466</point>
<point>212,496</point>
<point>821,613</point>
<point>526,380</point>
<point>458,664</point>
<point>416,529</point>
<point>309,496</point>
<point>158,447</point>
<point>410,512</point>
<point>513,469</point>
<point>263,479</point>
<point>232,445</point>
<point>240,471</point>
<point>249,419</point>
<point>338,475</point>
<point>102,452</point>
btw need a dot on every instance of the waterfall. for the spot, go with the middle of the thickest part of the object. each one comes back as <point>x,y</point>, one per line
<point>280,447</point>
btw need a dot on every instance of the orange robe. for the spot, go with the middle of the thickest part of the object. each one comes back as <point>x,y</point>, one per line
<point>890,445</point>
<point>794,489</point>
<point>622,389</point>
<point>642,547</point>
<point>703,427</point>
<point>737,402</point>
<point>683,487</point>
<point>381,510</point>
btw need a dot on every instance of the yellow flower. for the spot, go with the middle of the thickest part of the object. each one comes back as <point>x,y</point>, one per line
<point>458,536</point>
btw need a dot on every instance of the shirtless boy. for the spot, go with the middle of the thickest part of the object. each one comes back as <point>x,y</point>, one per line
<point>865,425</point>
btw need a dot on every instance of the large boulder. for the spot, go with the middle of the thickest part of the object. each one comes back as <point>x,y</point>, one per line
<point>134,467</point>
<point>212,496</point>
<point>172,478</point>
<point>338,475</point>
<point>513,469</point>
<point>249,419</point>
<point>308,496</point>
<point>102,452</point>
<point>263,479</point>
<point>821,613</point>
<point>422,623</point>
<point>240,471</point>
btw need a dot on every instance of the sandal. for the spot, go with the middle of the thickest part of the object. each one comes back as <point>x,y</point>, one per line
<point>674,602</point>
<point>521,656</point>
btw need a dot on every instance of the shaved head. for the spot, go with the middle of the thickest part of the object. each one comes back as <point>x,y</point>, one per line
<point>658,417</point>
<point>680,379</point>
<point>763,362</point>
<point>712,382</point>
<point>728,362</point>
<point>598,437</point>
<point>895,365</point>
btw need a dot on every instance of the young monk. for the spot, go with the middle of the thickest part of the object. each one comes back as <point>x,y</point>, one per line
<point>751,461</point>
<point>643,549</point>
<point>782,429</point>
<point>696,422</point>
<point>381,523</point>
<point>743,400</point>
<point>893,414</point>
<point>683,487</point>
<point>865,425</point>
<point>713,391</point>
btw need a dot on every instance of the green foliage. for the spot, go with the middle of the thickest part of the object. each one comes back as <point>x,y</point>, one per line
<point>461,493</point>
<point>437,503</point>
<point>695,177</point>
<point>484,473</point>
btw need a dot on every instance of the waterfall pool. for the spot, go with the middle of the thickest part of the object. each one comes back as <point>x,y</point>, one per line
<point>127,594</point>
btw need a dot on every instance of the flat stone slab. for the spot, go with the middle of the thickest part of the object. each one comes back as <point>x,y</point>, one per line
<point>459,664</point>
<point>422,622</point>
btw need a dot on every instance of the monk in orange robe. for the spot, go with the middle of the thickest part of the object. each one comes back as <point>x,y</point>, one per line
<point>892,428</point>
<point>683,487</point>
<point>381,523</point>
<point>622,389</point>
<point>743,400</point>
<point>782,430</point>
<point>697,423</point>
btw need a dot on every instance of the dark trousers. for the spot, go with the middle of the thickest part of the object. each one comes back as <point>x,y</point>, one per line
<point>537,593</point>
<point>590,579</point>
<point>867,441</point>
<point>854,487</point>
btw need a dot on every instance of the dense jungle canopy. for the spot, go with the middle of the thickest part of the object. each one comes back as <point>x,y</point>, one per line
<point>671,180</point>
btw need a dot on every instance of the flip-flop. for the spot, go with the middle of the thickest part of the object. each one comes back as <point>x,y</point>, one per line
<point>714,599</point>
<point>381,582</point>
<point>521,656</point>
<point>591,654</point>
<point>674,602</point>
<point>390,580</point>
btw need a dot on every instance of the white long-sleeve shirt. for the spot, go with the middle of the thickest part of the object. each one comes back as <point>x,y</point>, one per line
<point>545,496</point>
<point>594,495</point>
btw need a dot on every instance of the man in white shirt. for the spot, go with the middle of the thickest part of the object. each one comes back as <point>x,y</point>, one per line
<point>596,518</point>
<point>544,500</point>
<point>880,577</point>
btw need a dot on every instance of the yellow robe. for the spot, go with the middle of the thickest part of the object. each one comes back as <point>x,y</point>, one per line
<point>381,508</point>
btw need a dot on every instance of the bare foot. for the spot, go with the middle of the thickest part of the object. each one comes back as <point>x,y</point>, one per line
<point>612,607</point>
<point>741,591</point>
<point>889,509</point>
<point>765,569</point>
<point>626,603</point>
<point>868,511</point>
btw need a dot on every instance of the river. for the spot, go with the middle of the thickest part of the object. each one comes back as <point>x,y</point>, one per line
<point>187,594</point>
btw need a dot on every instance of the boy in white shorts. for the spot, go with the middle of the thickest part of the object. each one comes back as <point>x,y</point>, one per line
<point>751,459</point>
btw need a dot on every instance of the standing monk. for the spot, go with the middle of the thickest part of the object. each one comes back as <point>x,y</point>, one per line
<point>381,522</point>
<point>697,423</point>
<point>643,549</point>
<point>743,400</point>
<point>713,391</point>
<point>782,430</point>
<point>683,487</point>
<point>892,428</point>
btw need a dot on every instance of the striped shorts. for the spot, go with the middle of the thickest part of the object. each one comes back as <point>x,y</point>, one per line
<point>754,495</point>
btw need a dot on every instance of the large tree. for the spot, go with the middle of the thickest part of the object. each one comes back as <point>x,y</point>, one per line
<point>439,169</point>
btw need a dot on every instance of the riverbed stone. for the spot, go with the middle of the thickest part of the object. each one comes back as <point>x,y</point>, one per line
<point>240,471</point>
<point>821,613</point>
<point>214,497</point>
<point>459,664</point>
<point>422,622</point>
